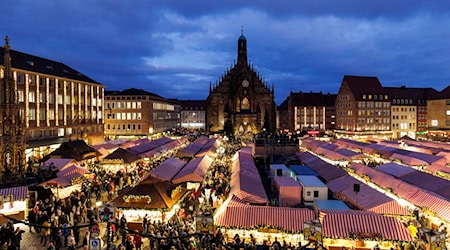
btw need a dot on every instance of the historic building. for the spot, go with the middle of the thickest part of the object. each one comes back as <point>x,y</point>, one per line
<point>136,112</point>
<point>312,112</point>
<point>58,102</point>
<point>193,113</point>
<point>408,110</point>
<point>12,142</point>
<point>363,108</point>
<point>438,116</point>
<point>242,102</point>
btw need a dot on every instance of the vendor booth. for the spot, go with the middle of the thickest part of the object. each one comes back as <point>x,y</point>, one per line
<point>13,202</point>
<point>157,199</point>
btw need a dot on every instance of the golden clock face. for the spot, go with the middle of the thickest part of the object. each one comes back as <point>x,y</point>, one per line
<point>245,83</point>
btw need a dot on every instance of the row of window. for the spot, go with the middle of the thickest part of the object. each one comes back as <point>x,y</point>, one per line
<point>124,116</point>
<point>61,100</point>
<point>374,104</point>
<point>403,125</point>
<point>124,105</point>
<point>50,115</point>
<point>403,117</point>
<point>124,127</point>
<point>20,78</point>
<point>404,109</point>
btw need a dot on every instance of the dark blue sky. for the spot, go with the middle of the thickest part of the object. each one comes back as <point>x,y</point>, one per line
<point>176,48</point>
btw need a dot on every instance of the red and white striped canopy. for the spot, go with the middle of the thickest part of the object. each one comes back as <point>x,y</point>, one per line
<point>344,223</point>
<point>236,212</point>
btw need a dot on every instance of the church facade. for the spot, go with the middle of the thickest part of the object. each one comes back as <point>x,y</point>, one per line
<point>241,102</point>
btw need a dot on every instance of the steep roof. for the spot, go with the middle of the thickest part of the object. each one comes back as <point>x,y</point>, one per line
<point>443,94</point>
<point>28,62</point>
<point>414,94</point>
<point>363,85</point>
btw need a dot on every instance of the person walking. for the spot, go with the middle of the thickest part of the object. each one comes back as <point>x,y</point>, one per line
<point>45,232</point>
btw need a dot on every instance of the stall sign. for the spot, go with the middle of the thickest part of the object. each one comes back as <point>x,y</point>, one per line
<point>106,213</point>
<point>204,224</point>
<point>312,230</point>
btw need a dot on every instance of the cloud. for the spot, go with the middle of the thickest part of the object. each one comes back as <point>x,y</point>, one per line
<point>176,48</point>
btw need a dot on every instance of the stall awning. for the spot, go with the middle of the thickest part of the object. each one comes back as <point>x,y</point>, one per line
<point>362,224</point>
<point>168,169</point>
<point>237,213</point>
<point>193,171</point>
<point>18,193</point>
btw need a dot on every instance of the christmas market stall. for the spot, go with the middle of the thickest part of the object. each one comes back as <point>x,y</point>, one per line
<point>167,169</point>
<point>62,186</point>
<point>156,199</point>
<point>191,150</point>
<point>360,230</point>
<point>235,216</point>
<point>13,202</point>
<point>193,171</point>
<point>120,160</point>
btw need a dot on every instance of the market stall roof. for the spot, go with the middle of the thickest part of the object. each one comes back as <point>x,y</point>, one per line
<point>330,204</point>
<point>351,144</point>
<point>311,143</point>
<point>324,169</point>
<point>302,170</point>
<point>168,169</point>
<point>18,193</point>
<point>62,181</point>
<point>77,150</point>
<point>58,163</point>
<point>209,148</point>
<point>395,169</point>
<point>362,224</point>
<point>71,170</point>
<point>194,147</point>
<point>122,155</point>
<point>237,213</point>
<point>429,144</point>
<point>150,193</point>
<point>433,202</point>
<point>245,180</point>
<point>429,182</point>
<point>193,171</point>
<point>370,199</point>
<point>384,151</point>
<point>149,145</point>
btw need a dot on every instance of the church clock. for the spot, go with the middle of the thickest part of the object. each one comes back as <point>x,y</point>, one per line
<point>245,83</point>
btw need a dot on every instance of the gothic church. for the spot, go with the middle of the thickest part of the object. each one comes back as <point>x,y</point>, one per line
<point>242,101</point>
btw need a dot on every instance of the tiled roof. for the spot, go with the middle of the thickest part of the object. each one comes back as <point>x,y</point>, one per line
<point>313,99</point>
<point>411,93</point>
<point>444,94</point>
<point>193,104</point>
<point>363,85</point>
<point>27,62</point>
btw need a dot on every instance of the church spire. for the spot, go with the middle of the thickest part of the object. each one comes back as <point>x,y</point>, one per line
<point>242,48</point>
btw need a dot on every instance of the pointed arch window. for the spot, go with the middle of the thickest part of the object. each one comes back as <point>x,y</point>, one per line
<point>245,104</point>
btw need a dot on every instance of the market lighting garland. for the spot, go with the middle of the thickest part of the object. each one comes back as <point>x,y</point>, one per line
<point>137,198</point>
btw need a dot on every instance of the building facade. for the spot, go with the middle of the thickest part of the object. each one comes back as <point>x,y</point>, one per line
<point>363,108</point>
<point>242,102</point>
<point>408,110</point>
<point>136,112</point>
<point>60,103</point>
<point>193,114</point>
<point>307,112</point>
<point>438,116</point>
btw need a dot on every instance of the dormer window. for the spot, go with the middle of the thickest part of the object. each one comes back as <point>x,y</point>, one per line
<point>370,97</point>
<point>49,67</point>
<point>364,97</point>
<point>31,63</point>
<point>65,71</point>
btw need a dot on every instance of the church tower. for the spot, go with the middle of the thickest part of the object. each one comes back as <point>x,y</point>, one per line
<point>12,135</point>
<point>241,103</point>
